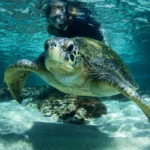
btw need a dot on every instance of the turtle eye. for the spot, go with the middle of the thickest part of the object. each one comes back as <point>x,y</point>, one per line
<point>70,48</point>
<point>46,45</point>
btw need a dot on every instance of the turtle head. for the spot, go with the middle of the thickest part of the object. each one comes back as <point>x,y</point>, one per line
<point>62,53</point>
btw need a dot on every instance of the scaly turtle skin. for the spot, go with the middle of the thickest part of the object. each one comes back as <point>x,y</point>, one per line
<point>79,66</point>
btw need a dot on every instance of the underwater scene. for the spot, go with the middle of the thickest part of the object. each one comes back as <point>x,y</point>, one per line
<point>75,75</point>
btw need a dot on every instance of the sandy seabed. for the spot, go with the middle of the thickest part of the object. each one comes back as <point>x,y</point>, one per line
<point>124,127</point>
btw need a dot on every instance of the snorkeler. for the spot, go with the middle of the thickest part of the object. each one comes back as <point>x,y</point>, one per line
<point>70,19</point>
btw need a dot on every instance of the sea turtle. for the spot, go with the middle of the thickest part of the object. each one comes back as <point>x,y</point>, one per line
<point>80,66</point>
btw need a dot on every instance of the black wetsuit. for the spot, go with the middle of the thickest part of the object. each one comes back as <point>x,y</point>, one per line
<point>81,24</point>
<point>77,29</point>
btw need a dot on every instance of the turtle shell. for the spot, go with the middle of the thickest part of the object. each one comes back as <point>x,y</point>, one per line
<point>101,59</point>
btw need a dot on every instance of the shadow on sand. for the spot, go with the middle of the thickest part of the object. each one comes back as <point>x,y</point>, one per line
<point>45,136</point>
<point>51,136</point>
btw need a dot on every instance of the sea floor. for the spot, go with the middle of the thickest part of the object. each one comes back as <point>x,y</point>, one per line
<point>124,127</point>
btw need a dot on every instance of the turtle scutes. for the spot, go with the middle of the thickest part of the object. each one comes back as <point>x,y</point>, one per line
<point>79,66</point>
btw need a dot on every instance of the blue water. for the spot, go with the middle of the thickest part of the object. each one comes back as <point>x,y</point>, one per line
<point>125,25</point>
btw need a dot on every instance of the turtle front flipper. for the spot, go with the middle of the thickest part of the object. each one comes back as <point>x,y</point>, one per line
<point>16,74</point>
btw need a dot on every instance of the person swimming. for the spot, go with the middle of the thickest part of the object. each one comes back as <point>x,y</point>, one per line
<point>70,19</point>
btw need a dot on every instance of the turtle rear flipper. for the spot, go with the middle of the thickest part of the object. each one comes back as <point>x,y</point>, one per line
<point>131,94</point>
<point>135,97</point>
<point>126,89</point>
<point>16,75</point>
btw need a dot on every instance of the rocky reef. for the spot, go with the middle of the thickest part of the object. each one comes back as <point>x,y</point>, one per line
<point>4,94</point>
<point>72,109</point>
<point>58,106</point>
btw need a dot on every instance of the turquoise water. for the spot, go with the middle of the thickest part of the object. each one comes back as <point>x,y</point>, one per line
<point>125,25</point>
